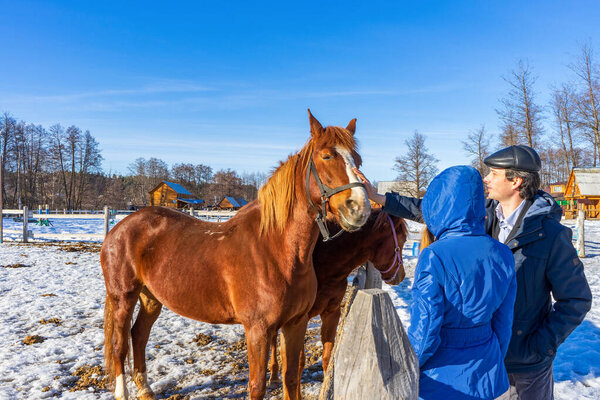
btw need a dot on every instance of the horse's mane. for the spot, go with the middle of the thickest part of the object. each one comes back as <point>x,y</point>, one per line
<point>276,196</point>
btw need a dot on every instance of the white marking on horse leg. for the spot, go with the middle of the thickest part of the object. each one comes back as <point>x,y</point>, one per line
<point>121,388</point>
<point>359,194</point>
<point>141,381</point>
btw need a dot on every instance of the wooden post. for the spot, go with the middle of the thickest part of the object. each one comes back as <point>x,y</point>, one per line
<point>191,211</point>
<point>386,367</point>
<point>25,221</point>
<point>373,280</point>
<point>106,221</point>
<point>580,245</point>
<point>361,277</point>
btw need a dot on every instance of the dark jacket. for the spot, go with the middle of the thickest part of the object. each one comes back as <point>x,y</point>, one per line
<point>547,266</point>
<point>463,300</point>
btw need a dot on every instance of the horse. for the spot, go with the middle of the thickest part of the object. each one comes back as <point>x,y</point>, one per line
<point>380,240</point>
<point>255,269</point>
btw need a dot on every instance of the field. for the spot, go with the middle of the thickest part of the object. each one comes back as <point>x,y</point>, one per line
<point>51,312</point>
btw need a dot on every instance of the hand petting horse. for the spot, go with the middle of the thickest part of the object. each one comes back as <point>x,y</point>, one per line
<point>380,241</point>
<point>255,269</point>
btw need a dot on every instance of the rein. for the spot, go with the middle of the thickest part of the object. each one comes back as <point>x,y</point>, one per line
<point>326,193</point>
<point>397,255</point>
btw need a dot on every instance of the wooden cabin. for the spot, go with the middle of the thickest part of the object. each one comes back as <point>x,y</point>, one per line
<point>557,190</point>
<point>169,194</point>
<point>231,203</point>
<point>583,192</point>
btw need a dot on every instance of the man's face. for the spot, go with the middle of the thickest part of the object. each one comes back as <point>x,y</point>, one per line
<point>499,188</point>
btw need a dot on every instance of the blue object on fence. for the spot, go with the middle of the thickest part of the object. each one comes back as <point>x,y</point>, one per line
<point>415,249</point>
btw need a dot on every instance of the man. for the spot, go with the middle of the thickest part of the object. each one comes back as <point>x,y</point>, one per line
<point>527,220</point>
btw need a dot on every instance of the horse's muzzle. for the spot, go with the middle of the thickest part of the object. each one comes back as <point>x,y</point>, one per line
<point>353,215</point>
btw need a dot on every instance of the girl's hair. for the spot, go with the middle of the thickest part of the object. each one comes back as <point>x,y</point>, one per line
<point>426,238</point>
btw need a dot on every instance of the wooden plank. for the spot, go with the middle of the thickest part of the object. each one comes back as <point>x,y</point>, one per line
<point>580,245</point>
<point>106,221</point>
<point>12,212</point>
<point>69,216</point>
<point>386,367</point>
<point>69,236</point>
<point>25,221</point>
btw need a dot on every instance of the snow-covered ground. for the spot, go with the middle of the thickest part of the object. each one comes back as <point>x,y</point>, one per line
<point>55,299</point>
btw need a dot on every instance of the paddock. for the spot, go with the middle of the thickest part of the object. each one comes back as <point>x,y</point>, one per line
<point>52,328</point>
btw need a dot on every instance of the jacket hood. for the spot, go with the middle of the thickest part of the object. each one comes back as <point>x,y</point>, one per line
<point>455,202</point>
<point>544,204</point>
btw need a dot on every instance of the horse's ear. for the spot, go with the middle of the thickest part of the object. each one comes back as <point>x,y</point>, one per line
<point>351,126</point>
<point>315,126</point>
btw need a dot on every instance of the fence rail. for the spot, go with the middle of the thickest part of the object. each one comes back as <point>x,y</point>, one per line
<point>105,214</point>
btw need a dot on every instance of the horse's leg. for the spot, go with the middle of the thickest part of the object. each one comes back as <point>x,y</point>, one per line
<point>258,339</point>
<point>123,306</point>
<point>149,311</point>
<point>329,324</point>
<point>273,363</point>
<point>292,347</point>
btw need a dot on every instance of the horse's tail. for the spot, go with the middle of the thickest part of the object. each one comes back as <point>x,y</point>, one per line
<point>109,364</point>
<point>426,238</point>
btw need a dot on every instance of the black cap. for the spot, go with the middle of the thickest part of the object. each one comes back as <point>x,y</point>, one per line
<point>522,158</point>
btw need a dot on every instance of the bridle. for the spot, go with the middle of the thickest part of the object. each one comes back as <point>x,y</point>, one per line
<point>397,253</point>
<point>326,193</point>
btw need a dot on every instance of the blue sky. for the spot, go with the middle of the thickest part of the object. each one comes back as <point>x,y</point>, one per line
<point>227,84</point>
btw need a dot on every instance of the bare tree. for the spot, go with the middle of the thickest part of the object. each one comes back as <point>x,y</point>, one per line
<point>477,146</point>
<point>587,101</point>
<point>7,128</point>
<point>417,167</point>
<point>564,118</point>
<point>57,154</point>
<point>519,110</point>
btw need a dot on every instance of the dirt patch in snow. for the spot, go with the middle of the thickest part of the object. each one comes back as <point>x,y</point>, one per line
<point>29,340</point>
<point>89,376</point>
<point>16,266</point>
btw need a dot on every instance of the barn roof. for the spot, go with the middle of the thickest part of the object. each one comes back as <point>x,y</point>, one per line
<point>236,202</point>
<point>588,181</point>
<point>191,201</point>
<point>177,188</point>
<point>233,201</point>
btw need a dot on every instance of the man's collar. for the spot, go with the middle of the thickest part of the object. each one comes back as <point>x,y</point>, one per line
<point>512,218</point>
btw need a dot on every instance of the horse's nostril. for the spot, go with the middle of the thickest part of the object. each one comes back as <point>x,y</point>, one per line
<point>351,204</point>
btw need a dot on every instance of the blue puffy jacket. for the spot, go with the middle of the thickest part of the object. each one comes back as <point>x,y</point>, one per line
<point>463,294</point>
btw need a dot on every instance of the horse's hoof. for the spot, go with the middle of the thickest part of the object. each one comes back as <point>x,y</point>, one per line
<point>146,395</point>
<point>275,382</point>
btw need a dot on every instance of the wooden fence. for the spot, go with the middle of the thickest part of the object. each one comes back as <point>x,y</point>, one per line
<point>106,214</point>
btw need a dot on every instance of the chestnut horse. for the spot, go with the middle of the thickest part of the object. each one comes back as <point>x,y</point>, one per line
<point>380,241</point>
<point>255,269</point>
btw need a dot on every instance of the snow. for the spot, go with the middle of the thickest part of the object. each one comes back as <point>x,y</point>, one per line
<point>64,281</point>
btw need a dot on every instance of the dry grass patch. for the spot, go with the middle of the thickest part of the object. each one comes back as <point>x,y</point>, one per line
<point>89,376</point>
<point>29,340</point>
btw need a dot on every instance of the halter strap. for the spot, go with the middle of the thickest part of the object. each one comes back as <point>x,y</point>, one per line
<point>326,192</point>
<point>397,253</point>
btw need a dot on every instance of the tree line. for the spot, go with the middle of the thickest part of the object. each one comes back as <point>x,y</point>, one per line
<point>62,167</point>
<point>573,115</point>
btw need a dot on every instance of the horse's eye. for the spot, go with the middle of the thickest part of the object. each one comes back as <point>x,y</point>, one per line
<point>327,157</point>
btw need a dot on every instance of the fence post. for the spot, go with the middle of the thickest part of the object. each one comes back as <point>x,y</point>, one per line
<point>386,367</point>
<point>25,221</point>
<point>373,280</point>
<point>192,211</point>
<point>106,220</point>
<point>580,245</point>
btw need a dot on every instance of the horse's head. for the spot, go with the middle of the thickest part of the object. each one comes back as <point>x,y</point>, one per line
<point>389,235</point>
<point>333,155</point>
